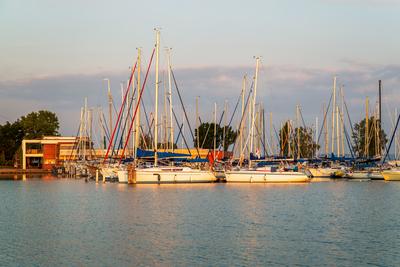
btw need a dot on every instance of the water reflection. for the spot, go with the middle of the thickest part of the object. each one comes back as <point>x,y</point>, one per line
<point>80,224</point>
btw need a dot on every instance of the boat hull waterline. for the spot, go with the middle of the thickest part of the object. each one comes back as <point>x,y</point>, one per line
<point>265,177</point>
<point>173,175</point>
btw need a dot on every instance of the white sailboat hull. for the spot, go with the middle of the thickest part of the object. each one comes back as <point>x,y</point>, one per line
<point>173,175</point>
<point>265,177</point>
<point>123,176</point>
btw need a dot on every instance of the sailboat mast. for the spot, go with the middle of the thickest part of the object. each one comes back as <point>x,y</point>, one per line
<point>170,98</point>
<point>80,144</point>
<point>197,123</point>
<point>376,131</point>
<point>165,118</point>
<point>366,128</point>
<point>122,114</point>
<point>396,141</point>
<point>298,131</point>
<point>316,137</point>
<point>90,131</point>
<point>270,133</point>
<point>241,126</point>
<point>138,86</point>
<point>333,116</point>
<point>342,120</point>
<point>325,113</point>
<point>102,142</point>
<point>224,129</point>
<point>254,108</point>
<point>85,129</point>
<point>380,117</point>
<point>281,140</point>
<point>289,139</point>
<point>109,104</point>
<point>156,99</point>
<point>337,131</point>
<point>215,129</point>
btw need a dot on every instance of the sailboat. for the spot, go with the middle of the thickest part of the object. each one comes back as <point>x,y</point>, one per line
<point>326,172</point>
<point>262,174</point>
<point>167,174</point>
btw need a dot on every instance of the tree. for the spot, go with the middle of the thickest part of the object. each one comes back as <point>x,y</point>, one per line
<point>289,138</point>
<point>206,136</point>
<point>33,125</point>
<point>39,124</point>
<point>374,146</point>
<point>11,135</point>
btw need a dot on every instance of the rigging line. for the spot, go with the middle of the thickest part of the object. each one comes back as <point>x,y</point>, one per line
<point>302,118</point>
<point>105,128</point>
<point>348,141</point>
<point>184,110</point>
<point>391,139</point>
<point>129,116</point>
<point>117,135</point>
<point>150,127</point>
<point>276,132</point>
<point>179,133</point>
<point>137,105</point>
<point>234,110</point>
<point>351,126</point>
<point>262,142</point>
<point>323,122</point>
<point>231,119</point>
<point>263,136</point>
<point>143,137</point>
<point>346,135</point>
<point>75,143</point>
<point>222,116</point>
<point>244,114</point>
<point>91,144</point>
<point>205,137</point>
<point>115,109</point>
<point>183,137</point>
<point>119,115</point>
<point>147,119</point>
<point>219,124</point>
<point>177,123</point>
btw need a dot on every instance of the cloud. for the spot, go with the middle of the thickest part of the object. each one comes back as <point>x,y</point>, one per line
<point>280,89</point>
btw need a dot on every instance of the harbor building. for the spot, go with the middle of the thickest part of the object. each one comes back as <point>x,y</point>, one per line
<point>47,152</point>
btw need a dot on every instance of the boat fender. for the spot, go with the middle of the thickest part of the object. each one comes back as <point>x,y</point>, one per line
<point>158,177</point>
<point>308,173</point>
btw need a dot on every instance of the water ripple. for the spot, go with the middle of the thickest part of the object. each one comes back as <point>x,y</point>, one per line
<point>71,223</point>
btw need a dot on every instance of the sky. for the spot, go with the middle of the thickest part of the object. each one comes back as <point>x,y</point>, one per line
<point>55,53</point>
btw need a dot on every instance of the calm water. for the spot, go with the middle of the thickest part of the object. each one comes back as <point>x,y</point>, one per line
<point>72,223</point>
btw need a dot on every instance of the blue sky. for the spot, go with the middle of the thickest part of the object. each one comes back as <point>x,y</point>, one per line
<point>57,37</point>
<point>53,53</point>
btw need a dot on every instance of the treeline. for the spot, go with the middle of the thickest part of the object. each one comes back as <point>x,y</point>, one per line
<point>32,126</point>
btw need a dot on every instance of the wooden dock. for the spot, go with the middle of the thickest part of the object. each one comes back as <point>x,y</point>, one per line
<point>22,171</point>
